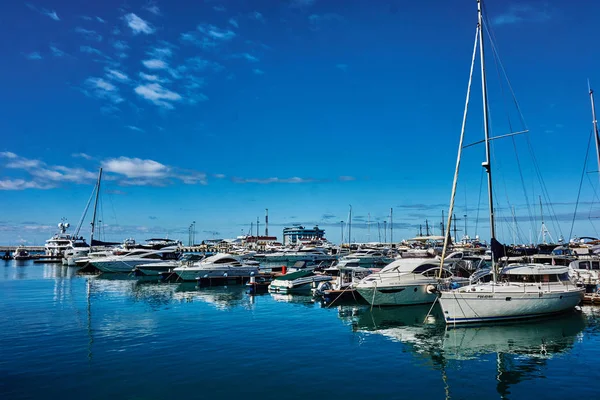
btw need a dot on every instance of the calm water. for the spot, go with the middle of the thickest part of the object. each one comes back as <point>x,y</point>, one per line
<point>67,336</point>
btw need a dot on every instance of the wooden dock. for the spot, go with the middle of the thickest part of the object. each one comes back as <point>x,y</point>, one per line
<point>591,298</point>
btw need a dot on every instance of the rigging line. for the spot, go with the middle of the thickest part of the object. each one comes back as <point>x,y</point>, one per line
<point>543,186</point>
<point>580,184</point>
<point>87,206</point>
<point>497,54</point>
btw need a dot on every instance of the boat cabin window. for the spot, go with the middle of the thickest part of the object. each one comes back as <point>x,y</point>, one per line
<point>153,256</point>
<point>584,265</point>
<point>424,267</point>
<point>595,265</point>
<point>533,278</point>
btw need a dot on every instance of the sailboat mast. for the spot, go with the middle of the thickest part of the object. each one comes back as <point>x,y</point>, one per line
<point>486,127</point>
<point>95,207</point>
<point>595,123</point>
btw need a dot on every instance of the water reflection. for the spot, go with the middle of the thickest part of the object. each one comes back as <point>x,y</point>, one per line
<point>522,349</point>
<point>294,298</point>
<point>221,297</point>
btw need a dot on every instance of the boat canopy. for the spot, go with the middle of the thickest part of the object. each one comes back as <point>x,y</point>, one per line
<point>535,269</point>
<point>294,275</point>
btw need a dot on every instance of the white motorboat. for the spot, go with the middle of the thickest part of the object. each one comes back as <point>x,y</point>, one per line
<point>297,282</point>
<point>21,253</point>
<point>218,265</point>
<point>307,253</point>
<point>370,257</point>
<point>585,271</point>
<point>155,269</point>
<point>409,281</point>
<point>127,262</point>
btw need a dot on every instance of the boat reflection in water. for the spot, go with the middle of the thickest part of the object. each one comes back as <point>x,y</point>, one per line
<point>221,297</point>
<point>521,350</point>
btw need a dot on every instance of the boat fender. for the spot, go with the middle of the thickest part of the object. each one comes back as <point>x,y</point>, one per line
<point>431,289</point>
<point>323,286</point>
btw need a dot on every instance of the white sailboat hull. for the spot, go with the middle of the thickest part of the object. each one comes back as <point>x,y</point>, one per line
<point>506,303</point>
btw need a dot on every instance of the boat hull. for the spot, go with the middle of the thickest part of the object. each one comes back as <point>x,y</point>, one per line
<point>397,295</point>
<point>119,265</point>
<point>192,274</point>
<point>461,307</point>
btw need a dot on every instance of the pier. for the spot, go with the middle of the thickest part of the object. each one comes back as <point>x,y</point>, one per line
<point>30,249</point>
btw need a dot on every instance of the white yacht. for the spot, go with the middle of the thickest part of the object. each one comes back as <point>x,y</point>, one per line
<point>409,281</point>
<point>370,257</point>
<point>127,262</point>
<point>307,253</point>
<point>297,282</point>
<point>585,271</point>
<point>61,241</point>
<point>218,265</point>
<point>523,291</point>
<point>155,269</point>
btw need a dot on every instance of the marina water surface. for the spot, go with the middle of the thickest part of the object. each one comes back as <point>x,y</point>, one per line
<point>69,336</point>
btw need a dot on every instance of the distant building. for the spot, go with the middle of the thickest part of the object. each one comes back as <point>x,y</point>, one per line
<point>259,240</point>
<point>299,234</point>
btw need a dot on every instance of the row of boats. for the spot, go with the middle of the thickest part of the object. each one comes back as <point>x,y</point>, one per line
<point>463,282</point>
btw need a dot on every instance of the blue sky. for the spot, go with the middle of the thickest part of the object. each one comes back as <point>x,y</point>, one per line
<point>212,111</point>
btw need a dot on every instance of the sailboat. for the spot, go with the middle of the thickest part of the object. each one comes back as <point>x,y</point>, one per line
<point>80,250</point>
<point>520,291</point>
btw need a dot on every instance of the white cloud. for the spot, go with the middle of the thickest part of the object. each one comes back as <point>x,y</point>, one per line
<point>258,71</point>
<point>8,154</point>
<point>89,34</point>
<point>157,94</point>
<point>151,78</point>
<point>160,53</point>
<point>232,21</point>
<point>100,20</point>
<point>90,50</point>
<point>257,16</point>
<point>246,56</point>
<point>294,179</point>
<point>154,64</point>
<point>138,25</point>
<point>136,167</point>
<point>116,74</point>
<point>216,33</point>
<point>43,174</point>
<point>135,128</point>
<point>56,52</point>
<point>20,184</point>
<point>520,13</point>
<point>99,88</point>
<point>82,155</point>
<point>52,14</point>
<point>219,8</point>
<point>153,9</point>
<point>346,178</point>
<point>34,56</point>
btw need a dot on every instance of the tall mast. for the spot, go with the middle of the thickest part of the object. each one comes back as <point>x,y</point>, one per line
<point>95,207</point>
<point>595,123</point>
<point>486,126</point>
<point>391,225</point>
<point>350,227</point>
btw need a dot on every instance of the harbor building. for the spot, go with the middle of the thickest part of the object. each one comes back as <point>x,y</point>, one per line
<point>299,234</point>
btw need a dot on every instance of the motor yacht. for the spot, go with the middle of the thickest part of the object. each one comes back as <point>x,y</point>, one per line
<point>127,262</point>
<point>218,265</point>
